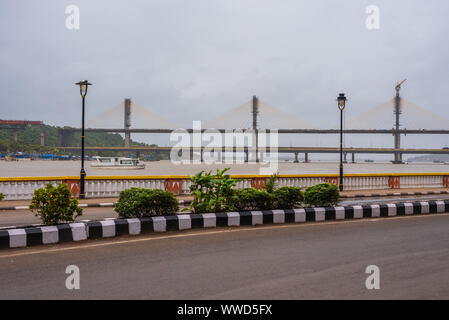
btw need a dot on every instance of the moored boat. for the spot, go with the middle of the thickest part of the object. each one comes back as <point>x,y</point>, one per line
<point>117,163</point>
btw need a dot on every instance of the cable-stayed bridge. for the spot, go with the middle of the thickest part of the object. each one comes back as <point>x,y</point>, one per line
<point>256,115</point>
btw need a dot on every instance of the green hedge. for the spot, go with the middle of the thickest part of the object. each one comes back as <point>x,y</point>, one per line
<point>140,202</point>
<point>322,195</point>
<point>282,198</point>
<point>252,199</point>
<point>287,198</point>
<point>55,204</point>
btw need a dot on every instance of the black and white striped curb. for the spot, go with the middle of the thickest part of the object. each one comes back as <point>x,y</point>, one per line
<point>85,205</point>
<point>21,237</point>
<point>392,194</point>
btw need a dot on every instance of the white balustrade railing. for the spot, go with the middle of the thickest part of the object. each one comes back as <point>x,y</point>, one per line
<point>23,189</point>
<point>422,181</point>
<point>98,187</point>
<point>111,188</point>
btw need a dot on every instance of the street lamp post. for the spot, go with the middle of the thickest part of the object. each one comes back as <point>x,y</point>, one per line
<point>83,91</point>
<point>341,105</point>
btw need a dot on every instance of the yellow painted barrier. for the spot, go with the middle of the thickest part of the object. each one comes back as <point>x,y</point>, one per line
<point>236,176</point>
<point>18,188</point>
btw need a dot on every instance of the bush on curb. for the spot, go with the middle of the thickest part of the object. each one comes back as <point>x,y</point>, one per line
<point>322,195</point>
<point>287,198</point>
<point>141,202</point>
<point>252,199</point>
<point>212,192</point>
<point>2,196</point>
<point>54,205</point>
<point>271,183</point>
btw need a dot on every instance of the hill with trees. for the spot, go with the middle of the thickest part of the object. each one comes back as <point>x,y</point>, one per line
<point>29,140</point>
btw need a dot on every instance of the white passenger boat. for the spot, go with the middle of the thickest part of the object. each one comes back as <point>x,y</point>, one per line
<point>117,163</point>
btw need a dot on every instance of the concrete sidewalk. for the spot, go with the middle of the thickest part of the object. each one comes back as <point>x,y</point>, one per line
<point>393,192</point>
<point>105,202</point>
<point>90,201</point>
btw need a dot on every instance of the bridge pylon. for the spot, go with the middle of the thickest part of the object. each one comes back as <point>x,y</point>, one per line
<point>127,123</point>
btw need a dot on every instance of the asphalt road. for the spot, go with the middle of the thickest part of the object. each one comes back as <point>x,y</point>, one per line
<point>295,261</point>
<point>26,217</point>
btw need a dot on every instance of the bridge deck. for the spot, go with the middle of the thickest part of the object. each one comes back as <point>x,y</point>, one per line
<point>279,149</point>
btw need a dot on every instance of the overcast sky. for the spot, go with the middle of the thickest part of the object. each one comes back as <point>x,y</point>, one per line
<point>195,59</point>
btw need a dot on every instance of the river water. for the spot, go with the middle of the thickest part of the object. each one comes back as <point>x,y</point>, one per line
<point>72,168</point>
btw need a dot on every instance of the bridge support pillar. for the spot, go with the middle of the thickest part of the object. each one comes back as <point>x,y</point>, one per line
<point>396,133</point>
<point>65,138</point>
<point>14,135</point>
<point>255,112</point>
<point>296,158</point>
<point>397,158</point>
<point>60,138</point>
<point>306,157</point>
<point>127,123</point>
<point>127,139</point>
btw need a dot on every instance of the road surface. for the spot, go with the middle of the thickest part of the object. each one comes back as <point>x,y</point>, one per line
<point>295,261</point>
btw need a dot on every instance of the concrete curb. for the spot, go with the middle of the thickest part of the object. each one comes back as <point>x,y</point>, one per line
<point>38,235</point>
<point>86,205</point>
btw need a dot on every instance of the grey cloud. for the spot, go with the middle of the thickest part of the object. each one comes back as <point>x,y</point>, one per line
<point>196,59</point>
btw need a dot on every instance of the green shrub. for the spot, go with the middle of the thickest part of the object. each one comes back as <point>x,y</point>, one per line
<point>269,186</point>
<point>140,202</point>
<point>2,196</point>
<point>322,195</point>
<point>54,204</point>
<point>252,199</point>
<point>212,193</point>
<point>287,198</point>
<point>201,189</point>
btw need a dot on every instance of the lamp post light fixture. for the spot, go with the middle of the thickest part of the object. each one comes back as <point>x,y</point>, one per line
<point>83,91</point>
<point>341,105</point>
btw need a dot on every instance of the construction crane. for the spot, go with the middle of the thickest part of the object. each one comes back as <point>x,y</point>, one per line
<point>398,87</point>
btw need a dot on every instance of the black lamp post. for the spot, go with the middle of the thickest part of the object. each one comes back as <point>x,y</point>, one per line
<point>83,91</point>
<point>341,105</point>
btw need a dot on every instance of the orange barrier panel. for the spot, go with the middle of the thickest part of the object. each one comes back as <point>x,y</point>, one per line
<point>394,182</point>
<point>174,186</point>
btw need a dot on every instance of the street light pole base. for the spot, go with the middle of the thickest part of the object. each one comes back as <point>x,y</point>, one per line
<point>82,175</point>
<point>340,186</point>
